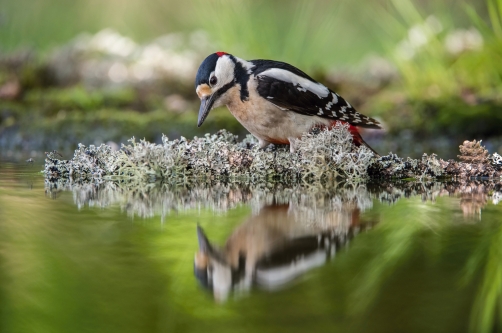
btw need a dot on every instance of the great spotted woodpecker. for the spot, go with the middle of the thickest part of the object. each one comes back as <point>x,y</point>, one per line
<point>274,101</point>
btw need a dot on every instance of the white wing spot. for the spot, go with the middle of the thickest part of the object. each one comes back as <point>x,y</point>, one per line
<point>320,113</point>
<point>284,75</point>
<point>270,97</point>
<point>335,99</point>
<point>328,106</point>
<point>348,104</point>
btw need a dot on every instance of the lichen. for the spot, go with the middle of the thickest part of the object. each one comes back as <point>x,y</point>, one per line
<point>320,157</point>
<point>496,161</point>
<point>392,166</point>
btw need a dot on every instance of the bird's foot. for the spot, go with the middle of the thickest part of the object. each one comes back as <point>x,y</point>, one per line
<point>263,144</point>
<point>292,145</point>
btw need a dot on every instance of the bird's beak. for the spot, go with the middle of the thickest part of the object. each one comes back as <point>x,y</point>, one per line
<point>205,107</point>
<point>204,245</point>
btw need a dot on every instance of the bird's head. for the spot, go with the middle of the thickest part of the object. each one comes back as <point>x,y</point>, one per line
<point>216,75</point>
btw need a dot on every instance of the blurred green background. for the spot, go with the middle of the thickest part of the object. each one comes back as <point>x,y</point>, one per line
<point>103,71</point>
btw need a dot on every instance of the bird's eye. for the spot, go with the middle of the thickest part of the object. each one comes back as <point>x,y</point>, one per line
<point>213,80</point>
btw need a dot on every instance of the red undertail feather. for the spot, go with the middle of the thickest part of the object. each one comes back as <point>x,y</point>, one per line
<point>356,136</point>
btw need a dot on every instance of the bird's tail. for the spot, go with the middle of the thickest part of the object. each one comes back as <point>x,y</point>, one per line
<point>358,140</point>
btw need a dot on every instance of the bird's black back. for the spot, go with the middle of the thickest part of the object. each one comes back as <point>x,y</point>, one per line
<point>294,97</point>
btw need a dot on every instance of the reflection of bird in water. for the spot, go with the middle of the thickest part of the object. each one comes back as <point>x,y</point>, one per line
<point>273,247</point>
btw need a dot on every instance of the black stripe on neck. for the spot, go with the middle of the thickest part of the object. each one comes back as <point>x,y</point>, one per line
<point>241,77</point>
<point>219,93</point>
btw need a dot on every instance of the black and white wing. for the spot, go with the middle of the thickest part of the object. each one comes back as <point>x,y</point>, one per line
<point>289,88</point>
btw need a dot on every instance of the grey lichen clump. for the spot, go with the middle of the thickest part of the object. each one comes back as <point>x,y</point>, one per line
<point>476,163</point>
<point>319,158</point>
<point>392,166</point>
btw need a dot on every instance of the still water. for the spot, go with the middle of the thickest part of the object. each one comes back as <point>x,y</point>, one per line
<point>393,257</point>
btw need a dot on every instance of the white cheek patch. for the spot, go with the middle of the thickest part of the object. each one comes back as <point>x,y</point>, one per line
<point>224,71</point>
<point>281,74</point>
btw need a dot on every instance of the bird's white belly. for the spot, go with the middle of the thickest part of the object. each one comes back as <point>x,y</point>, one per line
<point>269,123</point>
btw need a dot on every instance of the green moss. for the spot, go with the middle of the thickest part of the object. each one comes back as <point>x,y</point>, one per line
<point>79,98</point>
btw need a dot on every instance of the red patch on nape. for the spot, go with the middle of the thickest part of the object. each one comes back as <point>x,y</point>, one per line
<point>220,53</point>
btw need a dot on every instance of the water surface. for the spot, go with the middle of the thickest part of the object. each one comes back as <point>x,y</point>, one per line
<point>408,257</point>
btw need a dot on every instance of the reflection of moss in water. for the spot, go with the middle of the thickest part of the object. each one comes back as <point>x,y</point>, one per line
<point>148,200</point>
<point>151,199</point>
